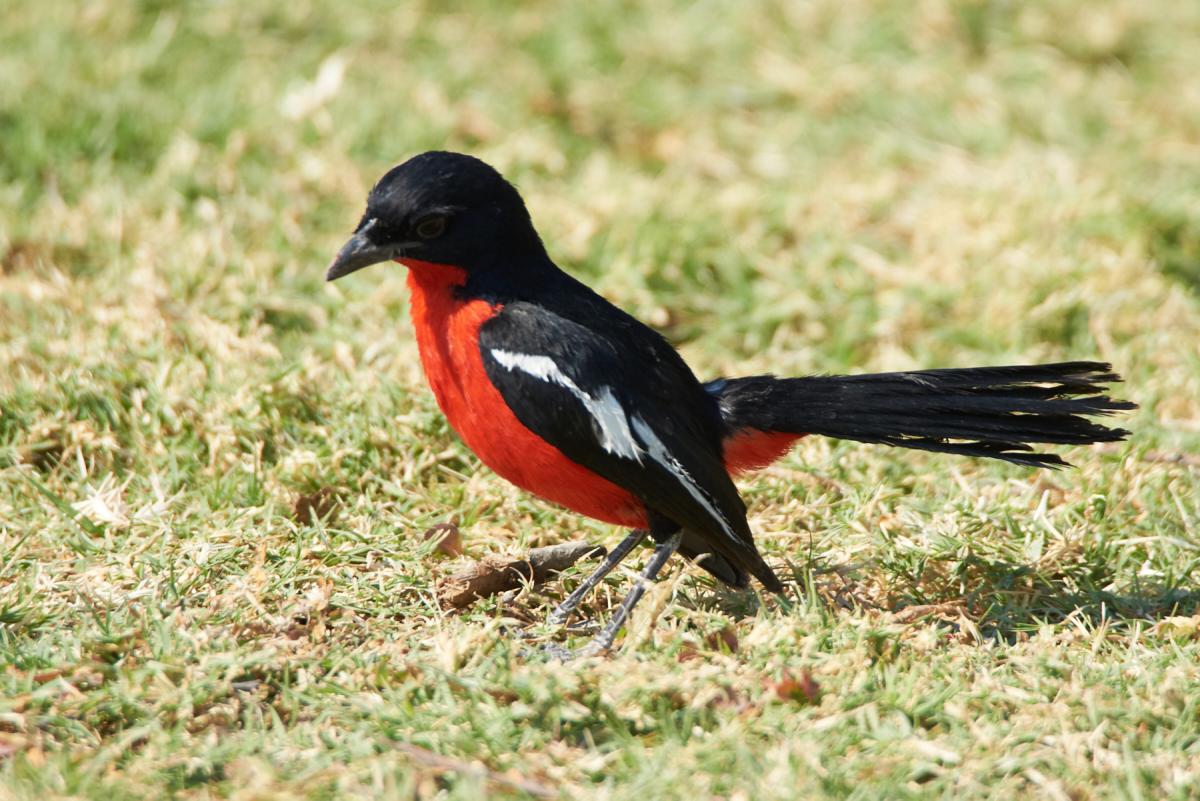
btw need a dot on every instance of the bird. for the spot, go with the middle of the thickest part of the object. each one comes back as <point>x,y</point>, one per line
<point>572,399</point>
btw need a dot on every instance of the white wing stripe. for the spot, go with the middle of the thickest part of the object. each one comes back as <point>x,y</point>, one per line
<point>613,425</point>
<point>610,417</point>
<point>660,454</point>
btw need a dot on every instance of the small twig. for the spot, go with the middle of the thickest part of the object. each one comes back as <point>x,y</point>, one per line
<point>1156,457</point>
<point>1159,457</point>
<point>910,614</point>
<point>495,574</point>
<point>445,764</point>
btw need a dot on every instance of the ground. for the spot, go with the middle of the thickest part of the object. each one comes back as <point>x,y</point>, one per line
<point>216,471</point>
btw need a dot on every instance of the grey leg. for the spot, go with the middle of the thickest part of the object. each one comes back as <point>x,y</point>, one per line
<point>662,552</point>
<point>560,615</point>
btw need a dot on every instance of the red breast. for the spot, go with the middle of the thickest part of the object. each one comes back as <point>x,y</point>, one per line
<point>447,329</point>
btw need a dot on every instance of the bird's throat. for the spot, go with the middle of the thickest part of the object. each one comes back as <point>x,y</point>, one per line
<point>429,276</point>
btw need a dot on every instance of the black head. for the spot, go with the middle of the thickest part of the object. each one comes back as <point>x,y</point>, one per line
<point>445,208</point>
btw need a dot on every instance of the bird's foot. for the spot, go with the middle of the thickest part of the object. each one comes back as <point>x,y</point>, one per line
<point>557,652</point>
<point>554,650</point>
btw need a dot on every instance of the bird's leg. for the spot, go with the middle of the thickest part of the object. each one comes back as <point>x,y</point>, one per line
<point>662,552</point>
<point>563,611</point>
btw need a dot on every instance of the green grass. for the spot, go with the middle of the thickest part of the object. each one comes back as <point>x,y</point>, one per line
<point>794,187</point>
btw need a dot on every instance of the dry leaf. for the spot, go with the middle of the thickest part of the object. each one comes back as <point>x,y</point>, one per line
<point>319,505</point>
<point>449,538</point>
<point>1177,627</point>
<point>802,689</point>
<point>724,640</point>
<point>494,575</point>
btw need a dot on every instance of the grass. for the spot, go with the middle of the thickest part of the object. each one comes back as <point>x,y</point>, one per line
<point>814,187</point>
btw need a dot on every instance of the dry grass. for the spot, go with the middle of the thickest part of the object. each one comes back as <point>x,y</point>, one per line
<point>789,187</point>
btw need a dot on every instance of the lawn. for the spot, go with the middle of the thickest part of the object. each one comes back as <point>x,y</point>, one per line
<point>217,471</point>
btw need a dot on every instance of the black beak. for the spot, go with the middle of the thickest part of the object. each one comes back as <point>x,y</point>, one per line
<point>359,252</point>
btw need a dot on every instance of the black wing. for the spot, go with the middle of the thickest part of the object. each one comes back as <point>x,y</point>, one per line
<point>632,412</point>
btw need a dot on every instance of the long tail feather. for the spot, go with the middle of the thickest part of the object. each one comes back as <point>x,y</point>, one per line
<point>980,411</point>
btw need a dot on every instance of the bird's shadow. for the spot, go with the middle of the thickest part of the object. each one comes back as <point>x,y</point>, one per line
<point>1004,599</point>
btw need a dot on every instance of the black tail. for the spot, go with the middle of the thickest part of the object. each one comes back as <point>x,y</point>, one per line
<point>978,411</point>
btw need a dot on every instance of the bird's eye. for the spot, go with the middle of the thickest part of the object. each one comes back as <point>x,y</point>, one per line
<point>431,227</point>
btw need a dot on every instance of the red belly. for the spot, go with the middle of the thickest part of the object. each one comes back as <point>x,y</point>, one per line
<point>448,338</point>
<point>751,449</point>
